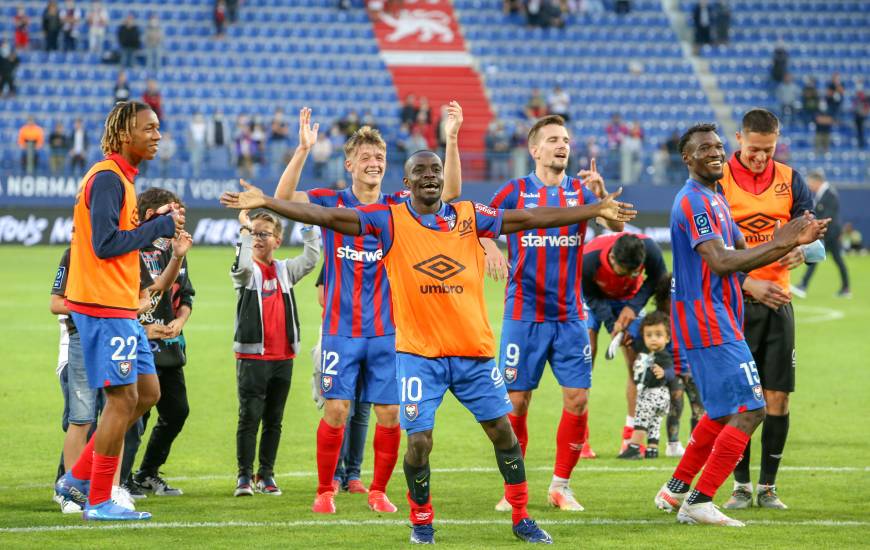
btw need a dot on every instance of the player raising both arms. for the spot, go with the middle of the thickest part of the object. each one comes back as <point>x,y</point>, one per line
<point>103,298</point>
<point>707,321</point>
<point>543,310</point>
<point>435,266</point>
<point>358,332</point>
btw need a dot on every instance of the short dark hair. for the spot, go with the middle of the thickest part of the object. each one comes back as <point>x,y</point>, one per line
<point>154,198</point>
<point>654,318</point>
<point>697,128</point>
<point>629,252</point>
<point>760,121</point>
<point>544,121</point>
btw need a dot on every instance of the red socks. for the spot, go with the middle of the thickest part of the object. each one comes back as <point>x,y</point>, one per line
<point>727,451</point>
<point>569,441</point>
<point>101,478</point>
<point>518,496</point>
<point>521,430</point>
<point>328,450</point>
<point>421,514</point>
<point>386,454</point>
<point>84,464</point>
<point>698,450</point>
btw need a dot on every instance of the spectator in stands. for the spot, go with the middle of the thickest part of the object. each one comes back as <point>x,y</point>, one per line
<point>51,25</point>
<point>336,163</point>
<point>441,129</point>
<point>788,95</point>
<point>246,151</point>
<point>153,45</point>
<point>616,131</point>
<point>218,134</point>
<point>661,164</point>
<point>349,124</point>
<point>533,13</point>
<point>78,152</point>
<point>783,150</point>
<point>520,151</point>
<point>622,7</point>
<point>721,12</point>
<point>862,110</point>
<point>417,141</point>
<point>676,165</point>
<point>321,152</point>
<point>129,39</point>
<point>424,108</point>
<point>703,21</point>
<point>824,124</point>
<point>31,139</point>
<point>426,129</point>
<point>589,151</point>
<point>258,135</point>
<point>559,103</point>
<point>344,5</point>
<point>166,152</point>
<point>122,87</point>
<point>22,28</point>
<point>58,145</point>
<point>408,114</point>
<point>810,99</point>
<point>402,141</point>
<point>779,65</point>
<point>498,147</point>
<point>232,10</point>
<point>279,137</point>
<point>511,7</point>
<point>153,98</point>
<point>852,241</point>
<point>368,119</point>
<point>835,93</point>
<point>71,17</point>
<point>536,106</point>
<point>220,18</point>
<point>98,23</point>
<point>8,64</point>
<point>197,136</point>
<point>631,155</point>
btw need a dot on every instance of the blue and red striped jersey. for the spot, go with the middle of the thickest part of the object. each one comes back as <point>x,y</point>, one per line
<point>356,289</point>
<point>546,265</point>
<point>706,310</point>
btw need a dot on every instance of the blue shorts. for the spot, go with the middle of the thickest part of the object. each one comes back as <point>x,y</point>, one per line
<point>476,382</point>
<point>81,403</point>
<point>343,358</point>
<point>726,378</point>
<point>593,323</point>
<point>526,346</point>
<point>116,351</point>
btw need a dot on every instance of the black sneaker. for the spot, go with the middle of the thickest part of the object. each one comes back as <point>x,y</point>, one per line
<point>243,487</point>
<point>267,485</point>
<point>156,484</point>
<point>134,489</point>
<point>651,452</point>
<point>632,452</point>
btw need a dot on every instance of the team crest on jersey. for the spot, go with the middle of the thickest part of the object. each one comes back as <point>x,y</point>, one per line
<point>326,383</point>
<point>756,390</point>
<point>411,412</point>
<point>702,223</point>
<point>571,202</point>
<point>124,367</point>
<point>510,374</point>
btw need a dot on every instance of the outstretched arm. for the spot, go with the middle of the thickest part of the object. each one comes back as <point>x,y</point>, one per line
<point>286,189</point>
<point>609,208</point>
<point>452,165</point>
<point>342,220</point>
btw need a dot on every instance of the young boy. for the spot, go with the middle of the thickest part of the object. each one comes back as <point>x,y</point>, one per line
<point>653,369</point>
<point>266,341</point>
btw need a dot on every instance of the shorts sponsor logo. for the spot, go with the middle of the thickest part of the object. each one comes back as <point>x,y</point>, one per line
<point>411,412</point>
<point>354,255</point>
<point>510,374</point>
<point>326,383</point>
<point>702,224</point>
<point>124,367</point>
<point>538,241</point>
<point>756,390</point>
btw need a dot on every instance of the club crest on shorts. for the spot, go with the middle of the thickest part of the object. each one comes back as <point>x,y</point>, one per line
<point>411,412</point>
<point>510,374</point>
<point>756,389</point>
<point>124,367</point>
<point>326,383</point>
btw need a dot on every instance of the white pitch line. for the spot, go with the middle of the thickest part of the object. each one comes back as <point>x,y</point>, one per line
<point>394,523</point>
<point>817,314</point>
<point>479,470</point>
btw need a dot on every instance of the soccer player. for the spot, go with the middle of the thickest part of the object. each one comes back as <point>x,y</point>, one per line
<point>620,274</point>
<point>706,323</point>
<point>435,265</point>
<point>358,333</point>
<point>762,192</point>
<point>543,311</point>
<point>103,298</point>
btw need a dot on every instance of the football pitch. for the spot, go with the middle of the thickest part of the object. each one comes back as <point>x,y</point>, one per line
<point>825,477</point>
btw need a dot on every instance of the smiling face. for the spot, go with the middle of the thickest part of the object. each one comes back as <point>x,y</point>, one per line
<point>367,164</point>
<point>266,240</point>
<point>705,156</point>
<point>756,149</point>
<point>424,176</point>
<point>143,140</point>
<point>551,148</point>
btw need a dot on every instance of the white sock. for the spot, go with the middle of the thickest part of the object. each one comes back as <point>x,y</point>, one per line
<point>747,486</point>
<point>629,421</point>
<point>558,483</point>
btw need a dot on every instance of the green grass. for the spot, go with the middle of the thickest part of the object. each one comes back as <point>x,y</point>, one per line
<point>828,507</point>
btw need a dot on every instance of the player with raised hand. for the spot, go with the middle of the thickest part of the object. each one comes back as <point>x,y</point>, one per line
<point>103,299</point>
<point>435,266</point>
<point>543,311</point>
<point>707,324</point>
<point>358,332</point>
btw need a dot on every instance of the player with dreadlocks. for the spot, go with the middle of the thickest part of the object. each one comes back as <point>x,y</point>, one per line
<point>103,297</point>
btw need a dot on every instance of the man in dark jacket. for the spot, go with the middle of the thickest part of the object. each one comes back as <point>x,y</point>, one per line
<point>130,40</point>
<point>827,205</point>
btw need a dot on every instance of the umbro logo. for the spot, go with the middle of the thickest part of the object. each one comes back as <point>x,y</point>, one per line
<point>757,223</point>
<point>440,267</point>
